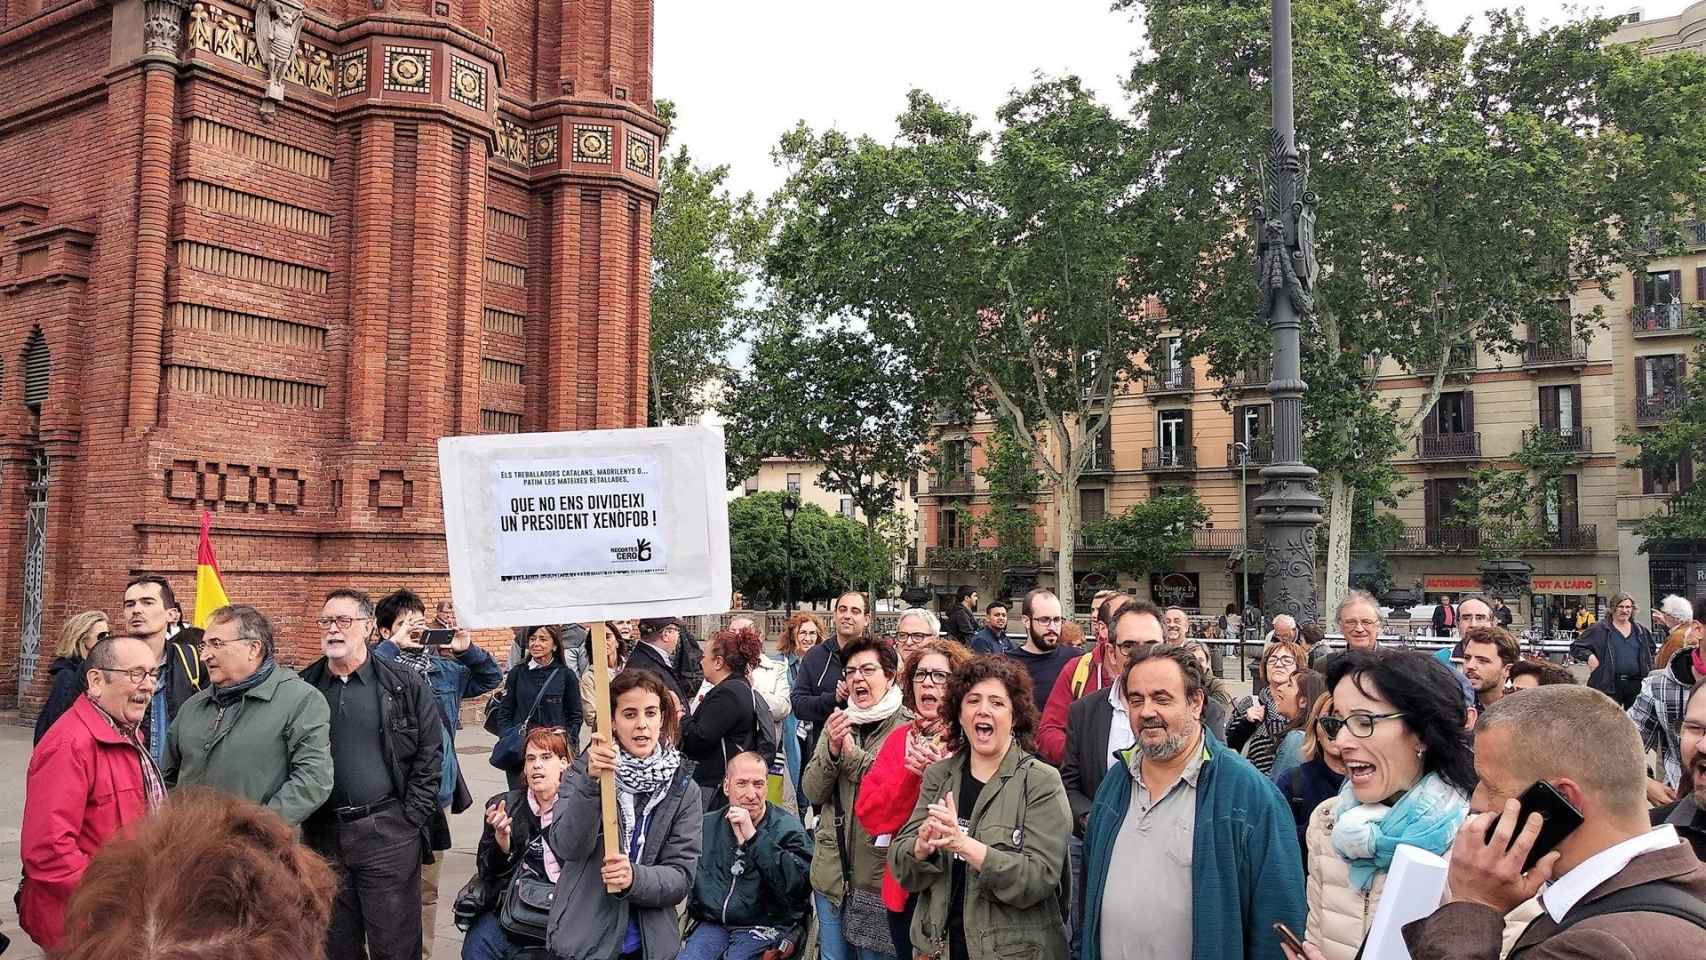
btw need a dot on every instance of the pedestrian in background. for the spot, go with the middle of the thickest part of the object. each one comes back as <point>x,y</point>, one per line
<point>80,632</point>
<point>1619,652</point>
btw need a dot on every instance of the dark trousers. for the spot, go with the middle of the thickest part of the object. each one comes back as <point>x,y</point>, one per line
<point>377,912</point>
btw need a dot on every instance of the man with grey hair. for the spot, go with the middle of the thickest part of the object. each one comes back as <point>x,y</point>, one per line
<point>1673,612</point>
<point>1614,886</point>
<point>259,731</point>
<point>1359,620</point>
<point>915,628</point>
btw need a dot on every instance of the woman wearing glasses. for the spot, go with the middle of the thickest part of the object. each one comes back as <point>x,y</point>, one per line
<point>81,631</point>
<point>1398,725</point>
<point>847,865</point>
<point>891,787</point>
<point>1272,710</point>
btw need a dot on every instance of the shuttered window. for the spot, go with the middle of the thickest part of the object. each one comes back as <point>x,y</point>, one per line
<point>37,367</point>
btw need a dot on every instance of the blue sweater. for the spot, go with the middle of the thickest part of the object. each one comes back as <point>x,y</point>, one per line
<point>1245,873</point>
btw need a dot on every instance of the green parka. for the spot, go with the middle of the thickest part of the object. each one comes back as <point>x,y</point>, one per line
<point>273,746</point>
<point>825,777</point>
<point>1014,905</point>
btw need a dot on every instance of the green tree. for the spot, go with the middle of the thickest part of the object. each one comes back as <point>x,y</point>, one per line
<point>706,248</point>
<point>1468,184</point>
<point>1011,520</point>
<point>836,396</point>
<point>1680,438</point>
<point>1508,508</point>
<point>830,552</point>
<point>1148,536</point>
<point>1000,263</point>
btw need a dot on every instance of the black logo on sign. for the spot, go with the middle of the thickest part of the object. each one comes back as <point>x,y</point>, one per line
<point>643,550</point>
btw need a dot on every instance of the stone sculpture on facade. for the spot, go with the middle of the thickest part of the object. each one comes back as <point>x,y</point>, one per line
<point>278,24</point>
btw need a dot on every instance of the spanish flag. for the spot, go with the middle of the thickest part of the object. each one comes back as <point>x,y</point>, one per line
<point>209,591</point>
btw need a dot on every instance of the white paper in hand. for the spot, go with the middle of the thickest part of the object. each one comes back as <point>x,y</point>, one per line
<point>1415,884</point>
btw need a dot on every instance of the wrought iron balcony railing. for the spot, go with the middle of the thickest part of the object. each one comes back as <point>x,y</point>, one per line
<point>1181,379</point>
<point>1449,446</point>
<point>1656,409</point>
<point>1658,319</point>
<point>1161,459</point>
<point>1569,439</point>
<point>1546,353</point>
<point>1260,453</point>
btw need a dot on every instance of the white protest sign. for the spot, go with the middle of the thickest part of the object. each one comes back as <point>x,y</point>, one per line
<point>585,526</point>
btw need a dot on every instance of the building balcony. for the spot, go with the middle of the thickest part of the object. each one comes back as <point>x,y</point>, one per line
<point>1449,446</point>
<point>953,558</point>
<point>1654,410</point>
<point>950,483</point>
<point>1661,319</point>
<point>1203,540</point>
<point>1169,459</point>
<point>1540,353</point>
<point>1577,440</point>
<point>1173,380</point>
<point>1261,453</point>
<point>1581,538</point>
<point>1101,463</point>
<point>1442,538</point>
<point>1252,377</point>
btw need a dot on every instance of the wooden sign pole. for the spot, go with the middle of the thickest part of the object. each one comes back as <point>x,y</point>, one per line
<point>601,706</point>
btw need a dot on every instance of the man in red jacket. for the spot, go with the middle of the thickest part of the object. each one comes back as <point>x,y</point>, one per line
<point>88,779</point>
<point>1087,674</point>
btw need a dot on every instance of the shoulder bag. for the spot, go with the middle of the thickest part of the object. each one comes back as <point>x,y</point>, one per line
<point>509,751</point>
<point>525,909</point>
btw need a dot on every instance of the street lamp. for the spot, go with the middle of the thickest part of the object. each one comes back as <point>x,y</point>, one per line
<point>1286,269</point>
<point>790,506</point>
<point>1242,451</point>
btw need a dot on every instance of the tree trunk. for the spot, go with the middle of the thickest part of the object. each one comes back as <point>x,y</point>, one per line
<point>1066,517</point>
<point>1340,501</point>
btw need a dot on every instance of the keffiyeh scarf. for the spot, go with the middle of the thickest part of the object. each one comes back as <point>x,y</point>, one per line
<point>641,775</point>
<point>1367,834</point>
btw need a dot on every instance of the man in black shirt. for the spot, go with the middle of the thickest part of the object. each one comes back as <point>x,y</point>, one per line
<point>656,652</point>
<point>387,756</point>
<point>962,623</point>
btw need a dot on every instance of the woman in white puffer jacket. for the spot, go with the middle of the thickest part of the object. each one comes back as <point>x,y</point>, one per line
<point>1399,720</point>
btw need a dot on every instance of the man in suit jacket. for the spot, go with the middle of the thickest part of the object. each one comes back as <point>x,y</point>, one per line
<point>656,652</point>
<point>1580,742</point>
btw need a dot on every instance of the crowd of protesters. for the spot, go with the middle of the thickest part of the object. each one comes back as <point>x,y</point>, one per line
<point>940,792</point>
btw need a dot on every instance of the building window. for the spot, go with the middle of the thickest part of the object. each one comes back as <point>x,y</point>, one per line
<point>1092,504</point>
<point>1667,479</point>
<point>1101,450</point>
<point>794,484</point>
<point>752,484</point>
<point>1455,412</point>
<point>1659,376</point>
<point>847,507</point>
<point>1562,507</point>
<point>1172,429</point>
<point>950,532</point>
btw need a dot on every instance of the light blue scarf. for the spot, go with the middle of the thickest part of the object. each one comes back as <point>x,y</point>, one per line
<point>1367,834</point>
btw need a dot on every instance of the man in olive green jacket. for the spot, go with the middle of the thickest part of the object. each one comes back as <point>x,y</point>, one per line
<point>259,731</point>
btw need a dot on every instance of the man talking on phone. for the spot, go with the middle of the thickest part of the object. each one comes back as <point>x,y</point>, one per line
<point>1612,888</point>
<point>454,671</point>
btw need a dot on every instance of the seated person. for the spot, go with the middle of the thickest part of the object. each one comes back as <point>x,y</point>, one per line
<point>514,835</point>
<point>750,895</point>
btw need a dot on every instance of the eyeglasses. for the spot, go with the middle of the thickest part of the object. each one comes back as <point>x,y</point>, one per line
<point>907,636</point>
<point>217,645</point>
<point>1361,725</point>
<point>1130,646</point>
<point>1282,662</point>
<point>1364,624</point>
<point>1048,621</point>
<point>102,636</point>
<point>135,674</point>
<point>938,677</point>
<point>343,623</point>
<point>868,670</point>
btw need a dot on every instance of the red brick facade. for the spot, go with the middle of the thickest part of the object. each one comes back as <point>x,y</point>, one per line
<point>273,310</point>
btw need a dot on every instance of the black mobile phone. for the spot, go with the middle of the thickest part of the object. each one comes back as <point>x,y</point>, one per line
<point>1561,818</point>
<point>437,638</point>
<point>1289,938</point>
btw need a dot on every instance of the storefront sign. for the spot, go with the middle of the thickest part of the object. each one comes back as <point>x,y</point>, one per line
<point>1176,590</point>
<point>1570,585</point>
<point>1451,583</point>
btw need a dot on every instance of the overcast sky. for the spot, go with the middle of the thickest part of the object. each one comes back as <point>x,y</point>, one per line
<point>743,72</point>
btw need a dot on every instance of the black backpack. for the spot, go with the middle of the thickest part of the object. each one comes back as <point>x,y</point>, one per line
<point>1654,896</point>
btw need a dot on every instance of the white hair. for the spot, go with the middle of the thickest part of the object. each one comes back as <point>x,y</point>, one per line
<point>1357,596</point>
<point>929,618</point>
<point>1286,619</point>
<point>1678,608</point>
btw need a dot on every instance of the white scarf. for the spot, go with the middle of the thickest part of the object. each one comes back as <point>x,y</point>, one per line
<point>881,710</point>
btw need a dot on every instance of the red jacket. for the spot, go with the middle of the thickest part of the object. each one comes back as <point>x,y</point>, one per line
<point>887,796</point>
<point>1051,739</point>
<point>84,785</point>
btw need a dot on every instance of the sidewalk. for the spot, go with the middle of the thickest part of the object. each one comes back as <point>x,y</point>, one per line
<point>473,747</point>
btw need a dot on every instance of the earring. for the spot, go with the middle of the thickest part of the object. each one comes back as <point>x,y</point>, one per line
<point>1420,752</point>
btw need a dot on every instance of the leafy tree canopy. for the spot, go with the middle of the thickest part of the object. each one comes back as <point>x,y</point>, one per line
<point>831,552</point>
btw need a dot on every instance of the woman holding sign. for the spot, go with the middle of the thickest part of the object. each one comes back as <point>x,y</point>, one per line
<point>624,904</point>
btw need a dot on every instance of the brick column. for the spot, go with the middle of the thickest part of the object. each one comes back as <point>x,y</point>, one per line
<point>470,306</point>
<point>429,357</point>
<point>610,325</point>
<point>153,216</point>
<point>370,279</point>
